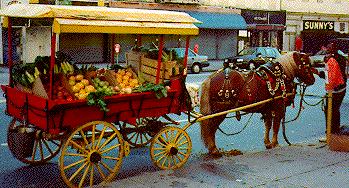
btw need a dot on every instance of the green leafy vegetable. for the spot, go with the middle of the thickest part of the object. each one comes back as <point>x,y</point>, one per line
<point>116,67</point>
<point>159,89</point>
<point>23,74</point>
<point>97,99</point>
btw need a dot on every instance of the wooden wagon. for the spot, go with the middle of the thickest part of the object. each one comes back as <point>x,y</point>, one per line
<point>92,142</point>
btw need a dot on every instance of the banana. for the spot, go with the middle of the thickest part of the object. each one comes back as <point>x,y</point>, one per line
<point>30,77</point>
<point>36,72</point>
<point>64,68</point>
<point>68,67</point>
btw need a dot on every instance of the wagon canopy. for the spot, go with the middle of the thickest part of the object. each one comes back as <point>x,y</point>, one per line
<point>87,19</point>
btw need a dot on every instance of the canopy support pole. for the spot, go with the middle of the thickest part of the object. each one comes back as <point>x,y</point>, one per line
<point>52,63</point>
<point>9,40</point>
<point>185,60</point>
<point>161,46</point>
<point>139,40</point>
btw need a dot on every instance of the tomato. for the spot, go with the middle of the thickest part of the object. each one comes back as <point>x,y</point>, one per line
<point>60,94</point>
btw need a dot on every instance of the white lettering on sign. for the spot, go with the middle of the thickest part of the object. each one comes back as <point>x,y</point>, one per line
<point>318,25</point>
<point>260,18</point>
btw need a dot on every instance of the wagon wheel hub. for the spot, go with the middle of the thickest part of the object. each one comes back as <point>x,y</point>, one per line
<point>172,149</point>
<point>95,157</point>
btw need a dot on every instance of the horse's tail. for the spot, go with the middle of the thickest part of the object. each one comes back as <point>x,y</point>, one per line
<point>205,109</point>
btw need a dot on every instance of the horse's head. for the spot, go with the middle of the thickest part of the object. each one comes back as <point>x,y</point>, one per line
<point>305,71</point>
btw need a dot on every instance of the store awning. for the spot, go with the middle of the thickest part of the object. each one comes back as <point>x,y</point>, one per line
<point>269,27</point>
<point>212,20</point>
<point>122,27</point>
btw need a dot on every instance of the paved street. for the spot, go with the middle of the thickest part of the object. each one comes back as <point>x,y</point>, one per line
<point>307,129</point>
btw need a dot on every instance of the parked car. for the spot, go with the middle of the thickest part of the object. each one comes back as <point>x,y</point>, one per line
<point>195,61</point>
<point>249,55</point>
<point>317,60</point>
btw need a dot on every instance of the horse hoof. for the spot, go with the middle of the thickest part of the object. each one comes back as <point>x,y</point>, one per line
<point>215,153</point>
<point>269,146</point>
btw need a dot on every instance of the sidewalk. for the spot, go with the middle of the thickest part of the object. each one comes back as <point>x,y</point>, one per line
<point>297,166</point>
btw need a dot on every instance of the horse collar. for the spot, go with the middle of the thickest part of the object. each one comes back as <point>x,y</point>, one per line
<point>273,72</point>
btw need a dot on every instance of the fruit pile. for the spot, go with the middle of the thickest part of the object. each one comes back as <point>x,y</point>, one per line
<point>126,79</point>
<point>61,93</point>
<point>81,87</point>
<point>103,86</point>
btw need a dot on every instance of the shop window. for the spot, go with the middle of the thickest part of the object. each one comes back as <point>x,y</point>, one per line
<point>305,0</point>
<point>341,27</point>
<point>320,1</point>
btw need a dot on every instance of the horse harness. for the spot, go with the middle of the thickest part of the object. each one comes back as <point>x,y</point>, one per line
<point>270,73</point>
<point>227,93</point>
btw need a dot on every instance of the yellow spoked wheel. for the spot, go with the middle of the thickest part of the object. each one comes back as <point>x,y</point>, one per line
<point>91,155</point>
<point>140,134</point>
<point>31,145</point>
<point>170,148</point>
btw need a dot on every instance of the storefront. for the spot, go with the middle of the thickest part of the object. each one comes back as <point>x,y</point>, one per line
<point>314,30</point>
<point>218,33</point>
<point>265,28</point>
<point>322,31</point>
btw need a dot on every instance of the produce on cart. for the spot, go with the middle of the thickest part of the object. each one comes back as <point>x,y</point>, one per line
<point>76,110</point>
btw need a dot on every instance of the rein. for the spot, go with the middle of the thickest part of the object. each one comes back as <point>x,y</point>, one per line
<point>235,133</point>
<point>302,91</point>
<point>283,122</point>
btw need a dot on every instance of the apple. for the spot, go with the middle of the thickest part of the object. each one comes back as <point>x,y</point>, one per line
<point>71,82</point>
<point>80,85</point>
<point>85,82</point>
<point>79,77</point>
<point>76,88</point>
<point>72,78</point>
<point>116,88</point>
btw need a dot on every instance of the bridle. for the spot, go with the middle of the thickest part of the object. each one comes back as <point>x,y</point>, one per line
<point>303,66</point>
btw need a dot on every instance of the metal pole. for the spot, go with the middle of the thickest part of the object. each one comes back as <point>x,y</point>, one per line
<point>117,58</point>
<point>185,61</point>
<point>161,46</point>
<point>9,46</point>
<point>329,117</point>
<point>52,63</point>
<point>1,44</point>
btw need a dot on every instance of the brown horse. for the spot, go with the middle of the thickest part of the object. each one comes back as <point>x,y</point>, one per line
<point>228,89</point>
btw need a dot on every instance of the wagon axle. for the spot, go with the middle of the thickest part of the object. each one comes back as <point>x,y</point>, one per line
<point>95,157</point>
<point>173,151</point>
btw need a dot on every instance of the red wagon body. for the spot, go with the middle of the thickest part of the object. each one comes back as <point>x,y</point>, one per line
<point>57,116</point>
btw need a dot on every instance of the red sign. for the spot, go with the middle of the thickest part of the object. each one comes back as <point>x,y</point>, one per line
<point>196,48</point>
<point>117,48</point>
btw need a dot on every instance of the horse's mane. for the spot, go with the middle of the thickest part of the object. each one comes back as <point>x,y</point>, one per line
<point>288,64</point>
